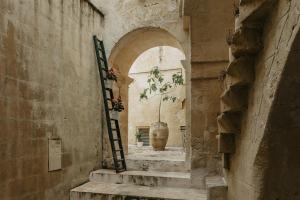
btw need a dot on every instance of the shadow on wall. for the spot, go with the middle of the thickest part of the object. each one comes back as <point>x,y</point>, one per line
<point>280,150</point>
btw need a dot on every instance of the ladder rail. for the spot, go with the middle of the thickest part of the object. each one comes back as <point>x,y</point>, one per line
<point>118,168</point>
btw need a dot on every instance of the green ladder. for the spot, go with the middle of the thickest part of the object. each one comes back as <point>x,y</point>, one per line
<point>112,124</point>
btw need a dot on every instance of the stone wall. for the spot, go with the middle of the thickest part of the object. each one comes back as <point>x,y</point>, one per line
<point>267,156</point>
<point>209,23</point>
<point>49,88</point>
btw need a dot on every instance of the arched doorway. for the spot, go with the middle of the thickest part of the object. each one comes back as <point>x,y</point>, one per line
<point>126,51</point>
<point>142,113</point>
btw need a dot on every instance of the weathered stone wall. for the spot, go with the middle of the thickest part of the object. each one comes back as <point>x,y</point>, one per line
<point>49,88</point>
<point>144,113</point>
<point>266,158</point>
<point>123,17</point>
<point>210,22</point>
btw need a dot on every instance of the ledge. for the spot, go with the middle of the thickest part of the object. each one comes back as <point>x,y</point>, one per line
<point>253,11</point>
<point>240,72</point>
<point>234,99</point>
<point>229,122</point>
<point>245,42</point>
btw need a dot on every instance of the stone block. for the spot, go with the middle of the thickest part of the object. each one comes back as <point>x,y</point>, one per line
<point>143,178</point>
<point>226,143</point>
<point>226,161</point>
<point>240,72</point>
<point>229,122</point>
<point>234,99</point>
<point>245,42</point>
<point>216,188</point>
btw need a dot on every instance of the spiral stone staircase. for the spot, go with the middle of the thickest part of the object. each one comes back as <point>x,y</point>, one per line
<point>244,44</point>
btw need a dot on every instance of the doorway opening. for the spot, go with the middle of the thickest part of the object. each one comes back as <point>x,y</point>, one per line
<point>143,113</point>
<point>151,47</point>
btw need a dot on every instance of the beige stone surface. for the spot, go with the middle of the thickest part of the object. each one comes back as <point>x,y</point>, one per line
<point>122,190</point>
<point>49,88</point>
<point>210,22</point>
<point>266,162</point>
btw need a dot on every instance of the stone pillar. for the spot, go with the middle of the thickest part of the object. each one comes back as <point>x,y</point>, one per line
<point>205,92</point>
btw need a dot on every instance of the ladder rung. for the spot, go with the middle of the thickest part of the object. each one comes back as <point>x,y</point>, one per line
<point>109,89</point>
<point>118,139</point>
<point>119,150</point>
<point>114,129</point>
<point>100,49</point>
<point>120,160</point>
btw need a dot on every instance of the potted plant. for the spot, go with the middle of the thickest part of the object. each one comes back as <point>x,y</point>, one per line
<point>158,86</point>
<point>139,142</point>
<point>117,107</point>
<point>111,77</point>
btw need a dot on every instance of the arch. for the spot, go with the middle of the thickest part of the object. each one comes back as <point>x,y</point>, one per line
<point>126,51</point>
<point>130,46</point>
<point>278,162</point>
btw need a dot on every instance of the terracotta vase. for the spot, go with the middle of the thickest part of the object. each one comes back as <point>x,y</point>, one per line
<point>159,134</point>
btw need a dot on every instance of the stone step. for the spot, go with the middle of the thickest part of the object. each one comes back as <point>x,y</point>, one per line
<point>143,178</point>
<point>108,191</point>
<point>216,188</point>
<point>156,165</point>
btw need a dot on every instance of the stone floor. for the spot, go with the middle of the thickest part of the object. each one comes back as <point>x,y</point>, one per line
<point>105,191</point>
<point>147,153</point>
<point>151,175</point>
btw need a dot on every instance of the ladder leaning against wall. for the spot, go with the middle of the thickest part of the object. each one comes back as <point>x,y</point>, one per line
<point>108,97</point>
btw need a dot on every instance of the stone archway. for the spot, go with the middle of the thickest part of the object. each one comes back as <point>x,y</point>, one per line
<point>126,51</point>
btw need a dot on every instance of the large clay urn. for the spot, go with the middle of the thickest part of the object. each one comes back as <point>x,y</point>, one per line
<point>159,133</point>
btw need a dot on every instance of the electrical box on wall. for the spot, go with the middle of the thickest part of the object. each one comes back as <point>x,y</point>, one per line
<point>54,154</point>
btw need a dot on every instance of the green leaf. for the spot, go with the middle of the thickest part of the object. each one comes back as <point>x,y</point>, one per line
<point>153,87</point>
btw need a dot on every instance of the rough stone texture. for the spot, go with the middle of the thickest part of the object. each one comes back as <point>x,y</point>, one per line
<point>205,159</point>
<point>145,159</point>
<point>49,88</point>
<point>97,191</point>
<point>143,178</point>
<point>210,22</point>
<point>266,162</point>
<point>216,188</point>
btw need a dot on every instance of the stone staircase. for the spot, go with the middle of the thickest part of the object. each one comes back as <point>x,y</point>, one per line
<point>156,165</point>
<point>145,159</point>
<point>107,185</point>
<point>245,43</point>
